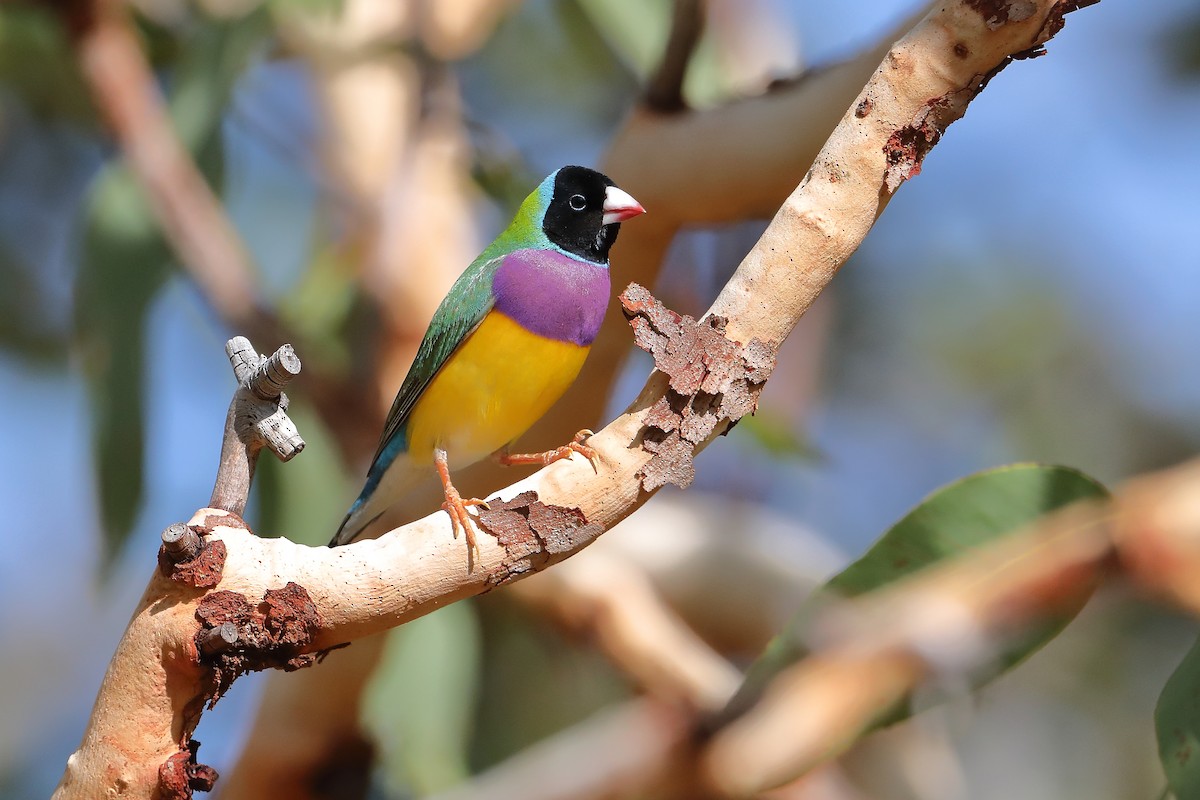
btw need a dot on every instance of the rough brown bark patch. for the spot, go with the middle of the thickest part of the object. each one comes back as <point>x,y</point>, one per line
<point>204,571</point>
<point>712,379</point>
<point>180,775</point>
<point>907,147</point>
<point>271,633</point>
<point>533,534</point>
<point>997,13</point>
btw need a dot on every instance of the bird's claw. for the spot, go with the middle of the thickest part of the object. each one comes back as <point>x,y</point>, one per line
<point>576,445</point>
<point>460,517</point>
<point>587,451</point>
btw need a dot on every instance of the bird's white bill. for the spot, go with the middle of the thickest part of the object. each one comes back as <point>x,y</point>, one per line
<point>619,206</point>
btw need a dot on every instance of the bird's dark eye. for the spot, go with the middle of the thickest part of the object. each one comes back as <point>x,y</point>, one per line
<point>578,202</point>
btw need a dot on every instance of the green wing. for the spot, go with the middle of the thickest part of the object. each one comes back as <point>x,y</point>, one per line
<point>468,302</point>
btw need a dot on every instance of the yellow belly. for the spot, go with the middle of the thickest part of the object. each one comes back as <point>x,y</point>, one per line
<point>499,382</point>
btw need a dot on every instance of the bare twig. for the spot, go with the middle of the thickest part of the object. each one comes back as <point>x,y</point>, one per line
<point>126,92</point>
<point>257,418</point>
<point>614,601</point>
<point>180,542</point>
<point>598,758</point>
<point>664,90</point>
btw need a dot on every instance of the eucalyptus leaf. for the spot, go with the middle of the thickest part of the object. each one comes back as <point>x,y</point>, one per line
<point>776,434</point>
<point>37,64</point>
<point>420,704</point>
<point>963,515</point>
<point>126,261</point>
<point>1177,724</point>
<point>23,328</point>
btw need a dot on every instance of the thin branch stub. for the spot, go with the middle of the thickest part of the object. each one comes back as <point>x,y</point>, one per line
<point>257,418</point>
<point>181,543</point>
<point>219,639</point>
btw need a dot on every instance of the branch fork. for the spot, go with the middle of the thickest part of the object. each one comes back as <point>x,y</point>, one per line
<point>257,418</point>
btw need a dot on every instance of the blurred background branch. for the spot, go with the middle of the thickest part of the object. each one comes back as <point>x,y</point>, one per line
<point>125,91</point>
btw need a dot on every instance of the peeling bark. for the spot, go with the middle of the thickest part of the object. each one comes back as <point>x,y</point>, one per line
<point>533,534</point>
<point>713,381</point>
<point>273,633</point>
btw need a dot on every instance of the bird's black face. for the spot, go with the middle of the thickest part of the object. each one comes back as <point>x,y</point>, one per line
<point>574,219</point>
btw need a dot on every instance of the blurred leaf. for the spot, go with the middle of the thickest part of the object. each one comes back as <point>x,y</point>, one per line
<point>637,32</point>
<point>321,303</point>
<point>420,703</point>
<point>1177,724</point>
<point>23,329</point>
<point>305,498</point>
<point>36,62</point>
<point>590,85</point>
<point>963,515</point>
<point>537,682</point>
<point>776,434</point>
<point>126,261</point>
<point>328,8</point>
<point>211,59</point>
<point>124,265</point>
<point>1181,47</point>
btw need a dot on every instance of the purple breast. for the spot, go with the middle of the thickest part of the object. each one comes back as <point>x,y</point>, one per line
<point>552,295</point>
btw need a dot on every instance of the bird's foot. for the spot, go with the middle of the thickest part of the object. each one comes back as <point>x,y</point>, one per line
<point>456,506</point>
<point>460,518</point>
<point>576,445</point>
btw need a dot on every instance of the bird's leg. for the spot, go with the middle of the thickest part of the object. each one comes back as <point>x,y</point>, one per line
<point>576,445</point>
<point>455,505</point>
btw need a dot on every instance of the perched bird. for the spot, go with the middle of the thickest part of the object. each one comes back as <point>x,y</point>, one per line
<point>504,344</point>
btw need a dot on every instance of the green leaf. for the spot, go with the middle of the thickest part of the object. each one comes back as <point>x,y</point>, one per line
<point>24,330</point>
<point>126,261</point>
<point>636,31</point>
<point>1177,725</point>
<point>320,305</point>
<point>37,64</point>
<point>288,9</point>
<point>420,704</point>
<point>124,266</point>
<point>538,681</point>
<point>776,434</point>
<point>964,515</point>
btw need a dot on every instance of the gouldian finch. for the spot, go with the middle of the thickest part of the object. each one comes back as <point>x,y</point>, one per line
<point>504,344</point>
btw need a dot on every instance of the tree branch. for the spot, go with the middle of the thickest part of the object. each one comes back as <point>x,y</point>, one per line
<point>664,90</point>
<point>727,164</point>
<point>257,418</point>
<point>609,753</point>
<point>948,619</point>
<point>124,89</point>
<point>934,627</point>
<point>615,602</point>
<point>291,602</point>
